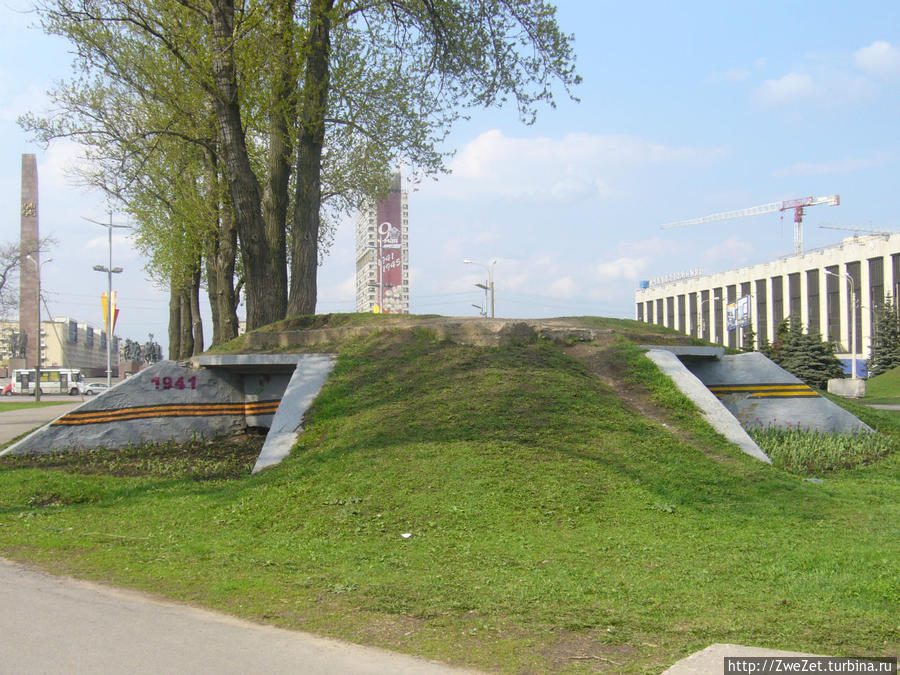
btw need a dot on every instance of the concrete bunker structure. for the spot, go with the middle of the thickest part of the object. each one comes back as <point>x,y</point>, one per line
<point>220,394</point>
<point>746,391</point>
<point>212,395</point>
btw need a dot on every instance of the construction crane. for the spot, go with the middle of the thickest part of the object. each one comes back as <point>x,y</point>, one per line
<point>856,229</point>
<point>798,205</point>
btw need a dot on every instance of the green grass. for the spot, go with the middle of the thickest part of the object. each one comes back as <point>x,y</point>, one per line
<point>7,406</point>
<point>552,528</point>
<point>814,452</point>
<point>884,388</point>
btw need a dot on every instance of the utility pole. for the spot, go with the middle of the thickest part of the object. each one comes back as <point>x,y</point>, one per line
<point>110,270</point>
<point>490,284</point>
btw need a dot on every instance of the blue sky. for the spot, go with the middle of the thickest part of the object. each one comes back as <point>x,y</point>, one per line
<point>686,109</point>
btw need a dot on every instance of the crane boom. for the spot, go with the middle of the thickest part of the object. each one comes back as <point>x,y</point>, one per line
<point>796,204</point>
<point>856,229</point>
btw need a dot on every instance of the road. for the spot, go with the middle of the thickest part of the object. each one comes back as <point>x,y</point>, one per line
<point>16,422</point>
<point>56,624</point>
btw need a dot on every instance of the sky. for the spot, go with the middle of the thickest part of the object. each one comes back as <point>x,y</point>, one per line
<point>685,109</point>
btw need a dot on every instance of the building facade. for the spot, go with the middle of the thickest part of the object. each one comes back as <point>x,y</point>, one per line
<point>382,253</point>
<point>833,291</point>
<point>65,343</point>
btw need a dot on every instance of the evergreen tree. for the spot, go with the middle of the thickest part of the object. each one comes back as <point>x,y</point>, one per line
<point>885,344</point>
<point>805,355</point>
<point>747,337</point>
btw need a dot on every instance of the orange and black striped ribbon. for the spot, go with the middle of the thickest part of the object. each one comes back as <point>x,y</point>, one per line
<point>799,390</point>
<point>168,410</point>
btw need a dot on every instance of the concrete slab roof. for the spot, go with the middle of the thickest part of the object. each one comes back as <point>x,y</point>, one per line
<point>690,351</point>
<point>253,363</point>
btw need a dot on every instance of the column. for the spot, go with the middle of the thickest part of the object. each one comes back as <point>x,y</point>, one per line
<point>823,303</point>
<point>770,309</point>
<point>803,289</point>
<point>865,299</point>
<point>843,304</point>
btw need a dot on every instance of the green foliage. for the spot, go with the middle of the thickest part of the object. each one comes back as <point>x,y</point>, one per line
<point>805,355</point>
<point>748,336</point>
<point>219,458</point>
<point>885,344</point>
<point>805,451</point>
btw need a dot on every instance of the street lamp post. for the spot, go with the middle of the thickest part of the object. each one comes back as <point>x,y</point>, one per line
<point>702,317</point>
<point>110,270</point>
<point>490,270</point>
<point>852,344</point>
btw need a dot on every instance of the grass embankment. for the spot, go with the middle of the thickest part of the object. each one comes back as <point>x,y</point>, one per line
<point>552,528</point>
<point>884,388</point>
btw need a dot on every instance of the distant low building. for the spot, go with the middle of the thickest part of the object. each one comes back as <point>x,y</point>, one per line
<point>66,343</point>
<point>812,286</point>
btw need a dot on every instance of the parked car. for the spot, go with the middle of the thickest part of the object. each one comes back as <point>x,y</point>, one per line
<point>8,389</point>
<point>94,388</point>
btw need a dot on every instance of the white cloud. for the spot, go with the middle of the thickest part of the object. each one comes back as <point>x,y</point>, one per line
<point>789,89</point>
<point>653,247</point>
<point>730,75</point>
<point>847,165</point>
<point>733,251</point>
<point>347,288</point>
<point>571,169</point>
<point>564,287</point>
<point>880,59</point>
<point>630,268</point>
<point>31,99</point>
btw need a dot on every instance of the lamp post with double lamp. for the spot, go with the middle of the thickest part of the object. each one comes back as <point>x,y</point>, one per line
<point>852,344</point>
<point>110,270</point>
<point>490,284</point>
<point>37,361</point>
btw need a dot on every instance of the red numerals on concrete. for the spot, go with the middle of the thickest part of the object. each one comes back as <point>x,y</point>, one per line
<point>168,383</point>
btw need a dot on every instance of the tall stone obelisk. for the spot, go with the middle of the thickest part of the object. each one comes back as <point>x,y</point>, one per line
<point>29,268</point>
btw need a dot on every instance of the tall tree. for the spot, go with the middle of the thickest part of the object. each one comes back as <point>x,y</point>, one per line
<point>805,355</point>
<point>885,344</point>
<point>314,100</point>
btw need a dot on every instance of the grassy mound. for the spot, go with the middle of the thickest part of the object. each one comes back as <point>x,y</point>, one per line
<point>885,387</point>
<point>551,526</point>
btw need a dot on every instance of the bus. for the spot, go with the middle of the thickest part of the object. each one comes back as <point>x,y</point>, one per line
<point>53,381</point>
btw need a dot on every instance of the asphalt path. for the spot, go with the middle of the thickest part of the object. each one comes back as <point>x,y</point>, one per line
<point>52,624</point>
<point>16,422</point>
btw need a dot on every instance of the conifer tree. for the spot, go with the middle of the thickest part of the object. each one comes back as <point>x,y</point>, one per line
<point>885,344</point>
<point>805,355</point>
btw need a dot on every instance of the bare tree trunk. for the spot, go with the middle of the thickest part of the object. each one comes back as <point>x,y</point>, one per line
<point>194,300</point>
<point>174,323</point>
<point>186,340</point>
<point>282,113</point>
<point>313,105</point>
<point>221,252</point>
<point>259,267</point>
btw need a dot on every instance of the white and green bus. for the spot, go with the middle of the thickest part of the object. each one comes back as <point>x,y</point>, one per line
<point>53,381</point>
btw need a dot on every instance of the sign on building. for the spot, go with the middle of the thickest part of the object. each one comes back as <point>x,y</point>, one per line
<point>737,314</point>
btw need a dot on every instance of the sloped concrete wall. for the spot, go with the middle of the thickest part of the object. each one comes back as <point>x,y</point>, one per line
<point>168,401</point>
<point>760,393</point>
<point>719,417</point>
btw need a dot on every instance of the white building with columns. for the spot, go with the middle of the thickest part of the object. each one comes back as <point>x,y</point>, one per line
<point>830,289</point>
